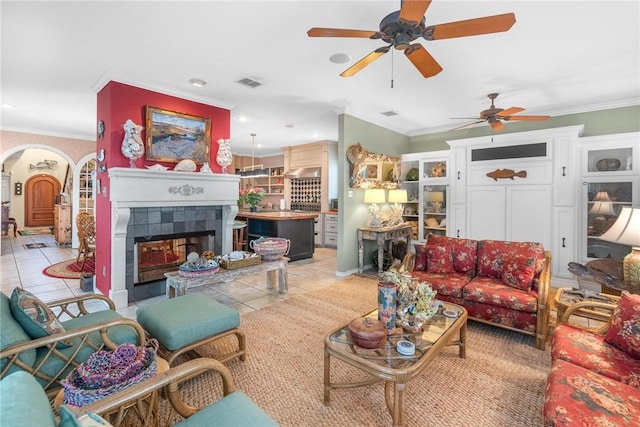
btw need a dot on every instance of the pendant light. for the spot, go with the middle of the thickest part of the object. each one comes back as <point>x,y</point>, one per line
<point>254,173</point>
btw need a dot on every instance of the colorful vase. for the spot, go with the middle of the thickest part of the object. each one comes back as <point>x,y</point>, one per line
<point>387,292</point>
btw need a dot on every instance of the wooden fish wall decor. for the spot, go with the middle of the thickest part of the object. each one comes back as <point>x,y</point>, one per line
<point>506,174</point>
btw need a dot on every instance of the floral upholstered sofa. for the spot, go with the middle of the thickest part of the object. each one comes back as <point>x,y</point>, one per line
<point>595,373</point>
<point>502,283</point>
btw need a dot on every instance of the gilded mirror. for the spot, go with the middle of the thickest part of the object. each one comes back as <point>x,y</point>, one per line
<point>372,170</point>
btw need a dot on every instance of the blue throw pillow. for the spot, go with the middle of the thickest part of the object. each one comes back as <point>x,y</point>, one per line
<point>35,317</point>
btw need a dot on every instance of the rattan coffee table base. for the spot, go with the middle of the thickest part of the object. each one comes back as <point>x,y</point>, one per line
<point>386,364</point>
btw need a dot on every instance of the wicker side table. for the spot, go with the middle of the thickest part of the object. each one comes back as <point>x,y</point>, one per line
<point>564,300</point>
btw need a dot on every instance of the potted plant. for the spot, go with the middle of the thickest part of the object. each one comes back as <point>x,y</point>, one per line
<point>251,197</point>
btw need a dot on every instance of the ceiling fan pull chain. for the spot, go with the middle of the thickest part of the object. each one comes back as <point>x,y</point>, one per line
<point>391,68</point>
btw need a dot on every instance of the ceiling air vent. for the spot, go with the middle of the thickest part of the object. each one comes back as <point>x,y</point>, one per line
<point>249,82</point>
<point>389,113</point>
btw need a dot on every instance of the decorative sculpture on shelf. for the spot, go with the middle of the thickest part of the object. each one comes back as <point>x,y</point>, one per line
<point>224,157</point>
<point>132,146</point>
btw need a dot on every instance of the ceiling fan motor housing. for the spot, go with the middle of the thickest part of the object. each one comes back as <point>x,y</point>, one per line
<point>400,33</point>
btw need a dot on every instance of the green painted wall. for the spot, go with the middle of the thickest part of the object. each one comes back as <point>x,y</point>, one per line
<point>351,130</point>
<point>353,211</point>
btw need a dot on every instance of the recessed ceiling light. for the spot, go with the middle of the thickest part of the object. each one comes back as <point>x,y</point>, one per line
<point>315,135</point>
<point>198,82</point>
<point>339,58</point>
<point>242,119</point>
<point>8,106</point>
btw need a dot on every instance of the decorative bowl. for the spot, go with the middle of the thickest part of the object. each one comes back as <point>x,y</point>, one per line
<point>270,248</point>
<point>367,332</point>
<point>608,165</point>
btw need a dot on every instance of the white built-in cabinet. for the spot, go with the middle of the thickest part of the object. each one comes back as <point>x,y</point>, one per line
<point>609,166</point>
<point>428,207</point>
<point>550,197</point>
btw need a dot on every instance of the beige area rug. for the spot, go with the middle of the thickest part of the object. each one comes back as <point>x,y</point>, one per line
<point>500,383</point>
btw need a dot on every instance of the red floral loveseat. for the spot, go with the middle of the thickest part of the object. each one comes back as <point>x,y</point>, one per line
<point>595,373</point>
<point>502,283</point>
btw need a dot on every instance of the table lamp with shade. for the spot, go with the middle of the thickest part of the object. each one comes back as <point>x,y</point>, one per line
<point>398,197</point>
<point>373,196</point>
<point>626,231</point>
<point>435,198</point>
<point>602,207</point>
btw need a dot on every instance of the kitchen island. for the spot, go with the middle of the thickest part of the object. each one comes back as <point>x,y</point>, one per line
<point>298,227</point>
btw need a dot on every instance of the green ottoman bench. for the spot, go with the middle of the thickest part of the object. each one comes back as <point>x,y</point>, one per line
<point>182,324</point>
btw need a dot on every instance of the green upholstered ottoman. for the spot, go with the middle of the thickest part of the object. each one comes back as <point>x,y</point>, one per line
<point>184,323</point>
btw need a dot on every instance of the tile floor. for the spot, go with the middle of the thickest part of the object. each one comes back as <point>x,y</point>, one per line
<point>23,267</point>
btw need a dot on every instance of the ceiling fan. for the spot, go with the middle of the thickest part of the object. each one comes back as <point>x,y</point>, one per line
<point>494,116</point>
<point>401,27</point>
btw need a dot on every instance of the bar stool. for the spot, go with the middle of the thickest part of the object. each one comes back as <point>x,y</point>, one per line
<point>240,236</point>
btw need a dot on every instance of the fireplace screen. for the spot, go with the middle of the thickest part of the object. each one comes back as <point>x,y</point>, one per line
<point>158,257</point>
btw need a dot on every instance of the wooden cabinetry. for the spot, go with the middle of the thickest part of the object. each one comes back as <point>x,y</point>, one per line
<point>272,185</point>
<point>321,154</point>
<point>62,224</point>
<point>330,230</point>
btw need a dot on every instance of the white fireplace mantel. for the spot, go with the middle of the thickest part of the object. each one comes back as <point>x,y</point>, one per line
<point>131,188</point>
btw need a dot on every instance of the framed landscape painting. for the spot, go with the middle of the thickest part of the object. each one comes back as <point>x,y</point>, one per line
<point>173,136</point>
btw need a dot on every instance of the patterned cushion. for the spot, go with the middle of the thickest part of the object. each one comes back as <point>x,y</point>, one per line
<point>589,350</point>
<point>439,259</point>
<point>34,316</point>
<point>445,284</point>
<point>491,255</point>
<point>576,396</point>
<point>421,258</point>
<point>518,271</point>
<point>624,329</point>
<point>464,252</point>
<point>493,292</point>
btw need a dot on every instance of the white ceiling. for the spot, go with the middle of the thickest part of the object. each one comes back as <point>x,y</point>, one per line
<point>560,57</point>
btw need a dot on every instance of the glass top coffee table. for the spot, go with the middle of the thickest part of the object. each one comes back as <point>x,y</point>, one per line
<point>386,364</point>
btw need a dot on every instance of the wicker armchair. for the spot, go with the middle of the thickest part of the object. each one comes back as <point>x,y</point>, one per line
<point>86,224</point>
<point>87,332</point>
<point>232,408</point>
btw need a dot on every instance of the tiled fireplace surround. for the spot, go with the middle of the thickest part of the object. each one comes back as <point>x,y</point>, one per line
<point>167,221</point>
<point>146,202</point>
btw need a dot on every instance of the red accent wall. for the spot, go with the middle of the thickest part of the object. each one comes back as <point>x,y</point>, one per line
<point>116,103</point>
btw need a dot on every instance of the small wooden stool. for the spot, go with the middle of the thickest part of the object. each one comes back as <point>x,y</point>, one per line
<point>240,236</point>
<point>182,324</point>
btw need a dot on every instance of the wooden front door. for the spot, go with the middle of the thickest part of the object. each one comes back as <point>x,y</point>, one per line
<point>39,197</point>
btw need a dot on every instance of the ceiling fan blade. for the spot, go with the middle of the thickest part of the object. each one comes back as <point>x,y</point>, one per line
<point>413,10</point>
<point>471,27</point>
<point>530,118</point>
<point>510,111</point>
<point>422,60</point>
<point>355,68</point>
<point>497,125</point>
<point>468,124</point>
<point>337,32</point>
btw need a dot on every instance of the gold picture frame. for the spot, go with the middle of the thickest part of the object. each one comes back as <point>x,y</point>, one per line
<point>173,136</point>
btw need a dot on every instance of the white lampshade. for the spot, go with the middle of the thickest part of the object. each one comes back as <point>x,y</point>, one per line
<point>374,195</point>
<point>398,196</point>
<point>626,229</point>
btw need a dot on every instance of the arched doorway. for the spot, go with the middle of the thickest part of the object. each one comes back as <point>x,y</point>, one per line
<point>39,198</point>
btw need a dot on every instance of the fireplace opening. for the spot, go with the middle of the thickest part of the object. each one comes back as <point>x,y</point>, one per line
<point>156,255</point>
